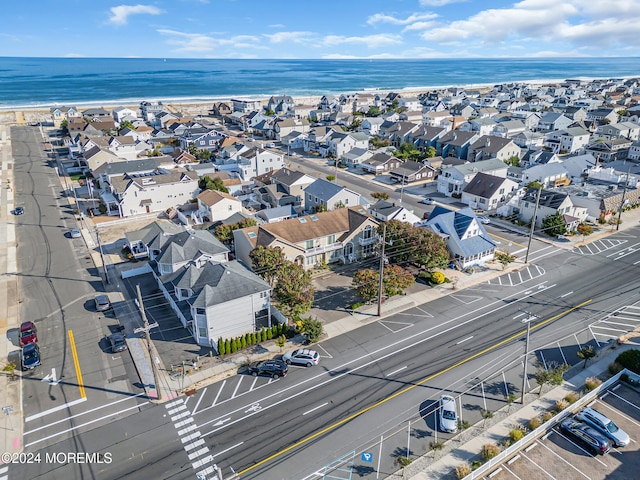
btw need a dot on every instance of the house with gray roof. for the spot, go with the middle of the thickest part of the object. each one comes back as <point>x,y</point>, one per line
<point>453,179</point>
<point>553,121</point>
<point>488,192</point>
<point>467,240</point>
<point>551,202</point>
<point>490,146</point>
<point>215,300</point>
<point>409,172</point>
<point>195,246</point>
<point>149,241</point>
<point>278,214</point>
<point>379,163</point>
<point>384,211</point>
<point>323,194</point>
<point>569,140</point>
<point>549,175</point>
<point>455,143</point>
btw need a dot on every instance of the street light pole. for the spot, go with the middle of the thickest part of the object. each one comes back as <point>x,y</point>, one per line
<point>533,225</point>
<point>528,320</point>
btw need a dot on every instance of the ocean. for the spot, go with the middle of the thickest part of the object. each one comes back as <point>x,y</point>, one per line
<point>46,82</point>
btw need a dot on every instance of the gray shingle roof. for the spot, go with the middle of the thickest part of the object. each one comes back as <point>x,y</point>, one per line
<point>455,224</point>
<point>187,246</point>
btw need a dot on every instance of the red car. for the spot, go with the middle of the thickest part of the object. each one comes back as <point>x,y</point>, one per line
<point>28,333</point>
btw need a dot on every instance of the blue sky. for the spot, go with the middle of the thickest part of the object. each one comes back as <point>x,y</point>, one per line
<point>320,29</point>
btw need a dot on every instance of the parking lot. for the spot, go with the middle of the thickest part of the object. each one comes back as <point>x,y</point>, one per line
<point>559,456</point>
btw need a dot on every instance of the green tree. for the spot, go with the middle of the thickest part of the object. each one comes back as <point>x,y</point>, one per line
<point>263,334</point>
<point>227,346</point>
<point>373,111</point>
<point>243,342</point>
<point>586,353</point>
<point>514,161</point>
<point>331,178</point>
<point>630,359</point>
<point>281,341</point>
<point>354,125</point>
<point>504,258</point>
<point>429,152</point>
<point>267,262</point>
<point>380,195</point>
<point>221,350</point>
<point>366,283</point>
<point>419,246</point>
<point>269,112</point>
<point>554,225</point>
<point>312,327</point>
<point>319,208</point>
<point>535,184</point>
<point>293,290</point>
<point>64,127</point>
<point>407,151</point>
<point>234,345</point>
<point>208,183</point>
<point>377,142</point>
<point>224,233</point>
<point>126,124</point>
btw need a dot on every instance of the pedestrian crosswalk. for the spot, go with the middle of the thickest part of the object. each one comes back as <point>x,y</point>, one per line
<point>616,324</point>
<point>518,277</point>
<point>197,451</point>
<point>598,246</point>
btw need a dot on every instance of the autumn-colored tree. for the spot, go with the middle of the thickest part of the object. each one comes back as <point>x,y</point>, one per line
<point>396,280</point>
<point>225,232</point>
<point>266,262</point>
<point>366,283</point>
<point>419,246</point>
<point>585,229</point>
<point>380,195</point>
<point>293,290</point>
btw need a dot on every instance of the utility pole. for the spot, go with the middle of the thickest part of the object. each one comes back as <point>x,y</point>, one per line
<point>528,320</point>
<point>146,329</point>
<point>104,265</point>
<point>381,284</point>
<point>533,225</point>
<point>624,192</point>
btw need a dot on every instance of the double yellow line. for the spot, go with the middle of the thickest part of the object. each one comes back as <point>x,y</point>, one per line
<point>411,387</point>
<point>74,353</point>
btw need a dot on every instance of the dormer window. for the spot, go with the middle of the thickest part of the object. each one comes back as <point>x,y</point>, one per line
<point>185,293</point>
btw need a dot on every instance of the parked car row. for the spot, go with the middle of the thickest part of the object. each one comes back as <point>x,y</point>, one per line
<point>595,431</point>
<point>28,341</point>
<point>277,368</point>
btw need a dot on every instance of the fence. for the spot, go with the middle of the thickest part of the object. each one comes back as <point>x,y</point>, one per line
<point>545,427</point>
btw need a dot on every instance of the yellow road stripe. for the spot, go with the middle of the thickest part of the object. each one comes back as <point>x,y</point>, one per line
<point>411,387</point>
<point>507,240</point>
<point>74,353</point>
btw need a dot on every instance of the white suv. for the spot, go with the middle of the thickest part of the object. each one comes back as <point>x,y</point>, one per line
<point>448,416</point>
<point>603,424</point>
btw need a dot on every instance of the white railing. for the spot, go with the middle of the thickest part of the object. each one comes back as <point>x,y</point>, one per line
<point>545,427</point>
<point>367,241</point>
<point>324,248</point>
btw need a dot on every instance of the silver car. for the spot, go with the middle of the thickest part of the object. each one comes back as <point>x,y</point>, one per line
<point>102,303</point>
<point>603,424</point>
<point>448,416</point>
<point>301,356</point>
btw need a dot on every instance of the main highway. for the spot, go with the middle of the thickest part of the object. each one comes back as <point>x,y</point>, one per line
<point>369,383</point>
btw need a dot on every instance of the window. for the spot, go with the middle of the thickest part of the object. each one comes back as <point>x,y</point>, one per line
<point>367,249</point>
<point>202,332</point>
<point>331,239</point>
<point>201,311</point>
<point>308,244</point>
<point>184,293</point>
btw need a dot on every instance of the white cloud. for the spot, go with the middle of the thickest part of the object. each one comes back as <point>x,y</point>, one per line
<point>438,3</point>
<point>382,18</point>
<point>419,26</point>
<point>202,43</point>
<point>370,41</point>
<point>74,55</point>
<point>289,37</point>
<point>120,14</point>
<point>560,25</point>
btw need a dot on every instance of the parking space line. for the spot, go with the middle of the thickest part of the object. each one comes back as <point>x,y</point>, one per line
<point>578,446</point>
<point>253,384</point>
<point>240,377</point>
<point>624,400</point>
<point>327,354</point>
<point>507,469</point>
<point>199,400</point>
<point>554,478</point>
<point>618,323</point>
<point>565,461</point>
<point>607,328</point>
<point>564,359</point>
<point>219,392</point>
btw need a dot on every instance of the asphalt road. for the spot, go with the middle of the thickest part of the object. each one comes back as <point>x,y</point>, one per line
<point>370,381</point>
<point>57,284</point>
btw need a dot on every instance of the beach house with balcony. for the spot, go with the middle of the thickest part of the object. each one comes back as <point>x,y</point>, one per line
<point>344,235</point>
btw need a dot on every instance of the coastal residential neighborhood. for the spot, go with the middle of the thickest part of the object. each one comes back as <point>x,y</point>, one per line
<point>222,183</point>
<point>217,248</point>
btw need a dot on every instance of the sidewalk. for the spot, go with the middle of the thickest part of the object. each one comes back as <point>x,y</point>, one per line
<point>424,468</point>
<point>11,416</point>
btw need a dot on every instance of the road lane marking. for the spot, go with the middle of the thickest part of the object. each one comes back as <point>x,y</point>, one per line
<point>81,425</point>
<point>566,294</point>
<point>219,392</point>
<point>501,303</point>
<point>61,407</point>
<point>396,371</point>
<point>507,240</point>
<point>54,409</point>
<point>240,377</point>
<point>199,400</point>
<point>226,450</point>
<point>315,408</point>
<point>411,387</point>
<point>74,353</point>
<point>466,339</point>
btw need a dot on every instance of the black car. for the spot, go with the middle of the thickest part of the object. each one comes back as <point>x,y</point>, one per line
<point>117,341</point>
<point>589,436</point>
<point>270,368</point>
<point>18,211</point>
<point>30,356</point>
